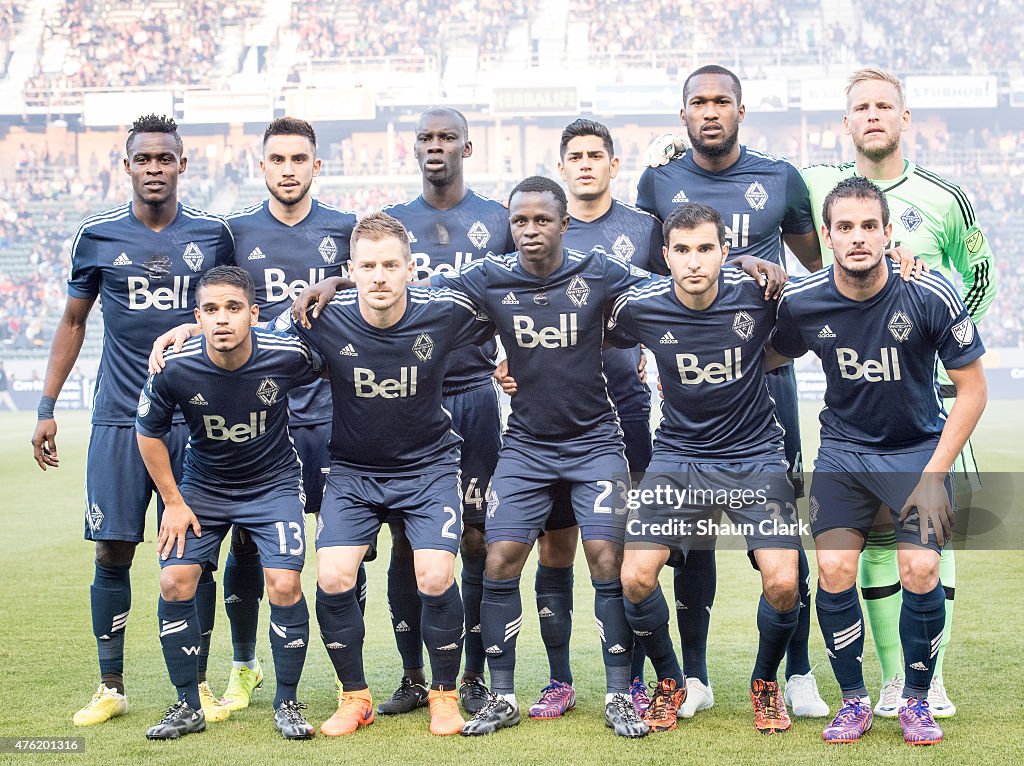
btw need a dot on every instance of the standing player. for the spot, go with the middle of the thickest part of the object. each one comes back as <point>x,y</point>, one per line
<point>450,225</point>
<point>764,203</point>
<point>934,219</point>
<point>596,222</point>
<point>707,327</point>
<point>286,243</point>
<point>142,259</point>
<point>393,450</point>
<point>240,470</point>
<point>885,439</point>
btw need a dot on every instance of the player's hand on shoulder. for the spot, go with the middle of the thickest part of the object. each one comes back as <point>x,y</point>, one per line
<point>911,267</point>
<point>44,444</point>
<point>663,149</point>
<point>506,381</point>
<point>173,339</point>
<point>769,275</point>
<point>931,500</point>
<point>174,523</point>
<point>317,296</point>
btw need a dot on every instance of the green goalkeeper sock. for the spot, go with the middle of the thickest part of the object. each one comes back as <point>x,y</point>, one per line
<point>947,577</point>
<point>883,600</point>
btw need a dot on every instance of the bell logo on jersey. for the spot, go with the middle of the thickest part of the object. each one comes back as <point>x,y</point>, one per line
<point>739,233</point>
<point>691,372</point>
<point>870,370</point>
<point>217,428</point>
<point>367,386</point>
<point>280,289</point>
<point>563,336</point>
<point>421,263</point>
<point>140,297</point>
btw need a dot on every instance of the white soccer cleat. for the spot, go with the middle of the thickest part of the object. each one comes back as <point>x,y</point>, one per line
<point>698,697</point>
<point>939,702</point>
<point>891,699</point>
<point>803,697</point>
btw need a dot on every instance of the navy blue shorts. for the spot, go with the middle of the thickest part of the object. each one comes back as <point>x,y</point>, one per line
<point>848,488</point>
<point>680,504</point>
<point>782,387</point>
<point>476,417</point>
<point>529,470</point>
<point>273,519</point>
<point>118,487</point>
<point>355,506</point>
<point>311,443</point>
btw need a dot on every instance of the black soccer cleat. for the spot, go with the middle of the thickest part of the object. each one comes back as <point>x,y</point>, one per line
<point>407,697</point>
<point>497,713</point>
<point>474,694</point>
<point>178,721</point>
<point>621,715</point>
<point>288,720</point>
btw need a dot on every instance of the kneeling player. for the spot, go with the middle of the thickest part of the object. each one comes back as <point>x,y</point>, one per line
<point>232,386</point>
<point>885,439</point>
<point>707,328</point>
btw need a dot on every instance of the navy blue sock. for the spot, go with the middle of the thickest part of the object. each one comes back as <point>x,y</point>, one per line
<point>361,587</point>
<point>179,639</point>
<point>694,585</point>
<point>649,621</point>
<point>111,600</point>
<point>472,592</point>
<point>842,626</point>
<point>444,628</point>
<point>501,617</point>
<point>406,608</point>
<point>798,659</point>
<point>206,609</point>
<point>775,629</point>
<point>289,637</point>
<point>922,619</point>
<point>343,631</point>
<point>554,608</point>
<point>243,591</point>
<point>616,636</point>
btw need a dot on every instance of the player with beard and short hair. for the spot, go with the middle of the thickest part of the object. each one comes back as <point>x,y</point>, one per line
<point>764,204</point>
<point>934,219</point>
<point>142,259</point>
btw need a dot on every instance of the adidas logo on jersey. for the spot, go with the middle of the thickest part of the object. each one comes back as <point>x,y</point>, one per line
<point>348,351</point>
<point>545,612</point>
<point>826,332</point>
<point>448,648</point>
<point>335,645</point>
<point>233,599</point>
<point>680,197</point>
<point>475,628</point>
<point>256,254</point>
<point>680,604</point>
<point>122,260</point>
<point>298,643</point>
<point>617,649</point>
<point>493,649</point>
<point>199,400</point>
<point>919,666</point>
<point>668,338</point>
<point>510,300</point>
<point>402,627</point>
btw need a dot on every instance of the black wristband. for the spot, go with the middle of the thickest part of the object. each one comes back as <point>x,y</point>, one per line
<point>45,410</point>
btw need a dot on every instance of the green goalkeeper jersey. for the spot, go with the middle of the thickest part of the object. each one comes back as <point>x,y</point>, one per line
<point>933,218</point>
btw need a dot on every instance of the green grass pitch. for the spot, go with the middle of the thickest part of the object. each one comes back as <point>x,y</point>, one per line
<point>48,662</point>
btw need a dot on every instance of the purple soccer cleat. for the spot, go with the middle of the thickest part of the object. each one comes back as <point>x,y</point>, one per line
<point>852,722</point>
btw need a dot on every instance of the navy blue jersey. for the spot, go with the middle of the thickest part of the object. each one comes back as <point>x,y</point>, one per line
<point>879,356</point>
<point>283,260</point>
<point>443,241</point>
<point>759,197</point>
<point>386,384</point>
<point>711,364</point>
<point>635,237</point>
<point>146,282</point>
<point>552,329</point>
<point>238,419</point>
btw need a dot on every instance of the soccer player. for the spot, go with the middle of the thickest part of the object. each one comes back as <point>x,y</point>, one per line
<point>885,439</point>
<point>934,219</point>
<point>142,259</point>
<point>764,204</point>
<point>393,450</point>
<point>707,327</point>
<point>287,242</point>
<point>240,469</point>
<point>596,222</point>
<point>451,225</point>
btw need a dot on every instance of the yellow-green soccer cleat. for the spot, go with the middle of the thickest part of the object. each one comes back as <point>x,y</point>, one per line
<point>214,709</point>
<point>105,704</point>
<point>242,683</point>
